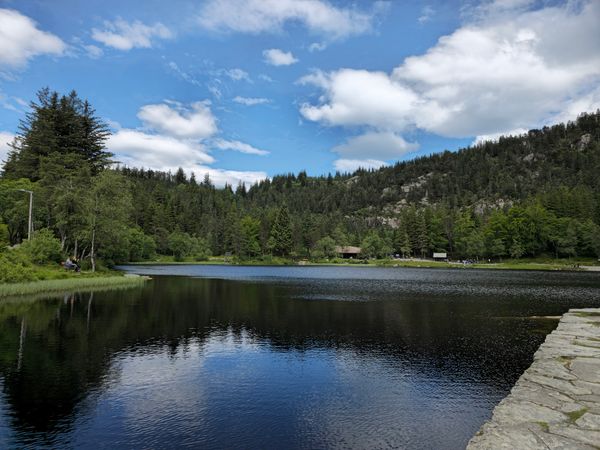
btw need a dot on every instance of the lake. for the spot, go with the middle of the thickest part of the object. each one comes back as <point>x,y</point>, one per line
<point>275,357</point>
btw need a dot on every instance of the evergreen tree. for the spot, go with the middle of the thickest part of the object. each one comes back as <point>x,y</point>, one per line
<point>280,241</point>
<point>57,125</point>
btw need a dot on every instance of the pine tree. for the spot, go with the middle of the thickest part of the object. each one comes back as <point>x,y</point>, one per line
<point>57,126</point>
<point>280,241</point>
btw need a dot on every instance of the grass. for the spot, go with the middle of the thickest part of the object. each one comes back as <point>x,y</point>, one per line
<point>575,415</point>
<point>508,264</point>
<point>544,426</point>
<point>588,314</point>
<point>69,284</point>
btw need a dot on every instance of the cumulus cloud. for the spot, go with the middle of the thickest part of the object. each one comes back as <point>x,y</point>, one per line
<point>238,146</point>
<point>220,177</point>
<point>138,149</point>
<point>516,69</point>
<point>350,165</point>
<point>123,35</point>
<point>378,145</point>
<point>258,16</point>
<point>5,139</point>
<point>360,97</point>
<point>175,119</point>
<point>251,101</point>
<point>21,40</point>
<point>495,136</point>
<point>177,135</point>
<point>277,57</point>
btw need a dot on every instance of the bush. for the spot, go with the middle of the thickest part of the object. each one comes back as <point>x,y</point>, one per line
<point>4,241</point>
<point>15,267</point>
<point>325,248</point>
<point>43,247</point>
<point>180,245</point>
<point>200,249</point>
<point>141,246</point>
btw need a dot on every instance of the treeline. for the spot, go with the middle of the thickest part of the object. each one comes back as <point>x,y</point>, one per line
<point>533,195</point>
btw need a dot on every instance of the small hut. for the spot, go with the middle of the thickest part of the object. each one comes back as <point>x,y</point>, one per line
<point>348,252</point>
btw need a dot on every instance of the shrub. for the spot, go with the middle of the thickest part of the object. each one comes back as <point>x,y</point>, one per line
<point>180,245</point>
<point>200,249</point>
<point>4,241</point>
<point>15,267</point>
<point>141,246</point>
<point>43,247</point>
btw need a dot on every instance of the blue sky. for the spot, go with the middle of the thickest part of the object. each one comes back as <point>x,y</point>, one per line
<point>247,89</point>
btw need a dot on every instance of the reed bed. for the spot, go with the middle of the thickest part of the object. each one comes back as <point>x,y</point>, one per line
<point>69,284</point>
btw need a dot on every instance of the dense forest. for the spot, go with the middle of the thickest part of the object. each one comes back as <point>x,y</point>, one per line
<point>523,196</point>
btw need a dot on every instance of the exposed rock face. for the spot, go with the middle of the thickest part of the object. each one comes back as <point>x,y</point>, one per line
<point>556,402</point>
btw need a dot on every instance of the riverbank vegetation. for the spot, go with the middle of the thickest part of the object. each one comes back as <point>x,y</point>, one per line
<point>69,285</point>
<point>530,196</point>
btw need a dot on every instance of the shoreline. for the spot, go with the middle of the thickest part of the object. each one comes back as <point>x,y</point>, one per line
<point>9,290</point>
<point>556,401</point>
<point>535,266</point>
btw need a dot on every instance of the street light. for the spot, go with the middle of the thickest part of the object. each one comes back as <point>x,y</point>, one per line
<point>30,225</point>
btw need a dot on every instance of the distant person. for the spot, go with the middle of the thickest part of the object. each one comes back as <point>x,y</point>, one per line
<point>71,264</point>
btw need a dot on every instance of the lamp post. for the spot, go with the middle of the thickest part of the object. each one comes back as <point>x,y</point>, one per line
<point>30,224</point>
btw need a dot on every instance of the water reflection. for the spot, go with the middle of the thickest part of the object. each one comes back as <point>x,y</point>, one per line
<point>253,364</point>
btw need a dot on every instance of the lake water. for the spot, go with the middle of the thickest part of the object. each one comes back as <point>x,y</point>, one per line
<point>275,357</point>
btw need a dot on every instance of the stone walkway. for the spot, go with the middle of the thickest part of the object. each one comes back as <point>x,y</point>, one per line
<point>556,402</point>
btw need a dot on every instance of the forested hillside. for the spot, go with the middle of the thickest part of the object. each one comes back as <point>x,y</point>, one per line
<point>531,195</point>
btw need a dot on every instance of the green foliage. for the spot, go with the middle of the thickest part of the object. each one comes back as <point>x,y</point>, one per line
<point>527,196</point>
<point>373,246</point>
<point>180,245</point>
<point>249,237</point>
<point>15,267</point>
<point>4,240</point>
<point>199,248</point>
<point>141,246</point>
<point>325,248</point>
<point>57,125</point>
<point>280,241</point>
<point>43,247</point>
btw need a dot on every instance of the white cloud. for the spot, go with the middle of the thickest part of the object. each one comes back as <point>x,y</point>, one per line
<point>375,145</point>
<point>360,97</point>
<point>251,101</point>
<point>277,57</point>
<point>427,14</point>
<point>237,74</point>
<point>238,146</point>
<point>184,75</point>
<point>266,78</point>
<point>215,91</point>
<point>317,47</point>
<point>21,40</point>
<point>232,177</point>
<point>174,119</point>
<point>139,149</point>
<point>93,51</point>
<point>500,72</point>
<point>125,36</point>
<point>5,139</point>
<point>177,135</point>
<point>163,153</point>
<point>495,136</point>
<point>350,165</point>
<point>257,16</point>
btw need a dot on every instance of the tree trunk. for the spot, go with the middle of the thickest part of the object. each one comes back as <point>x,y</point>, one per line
<point>92,253</point>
